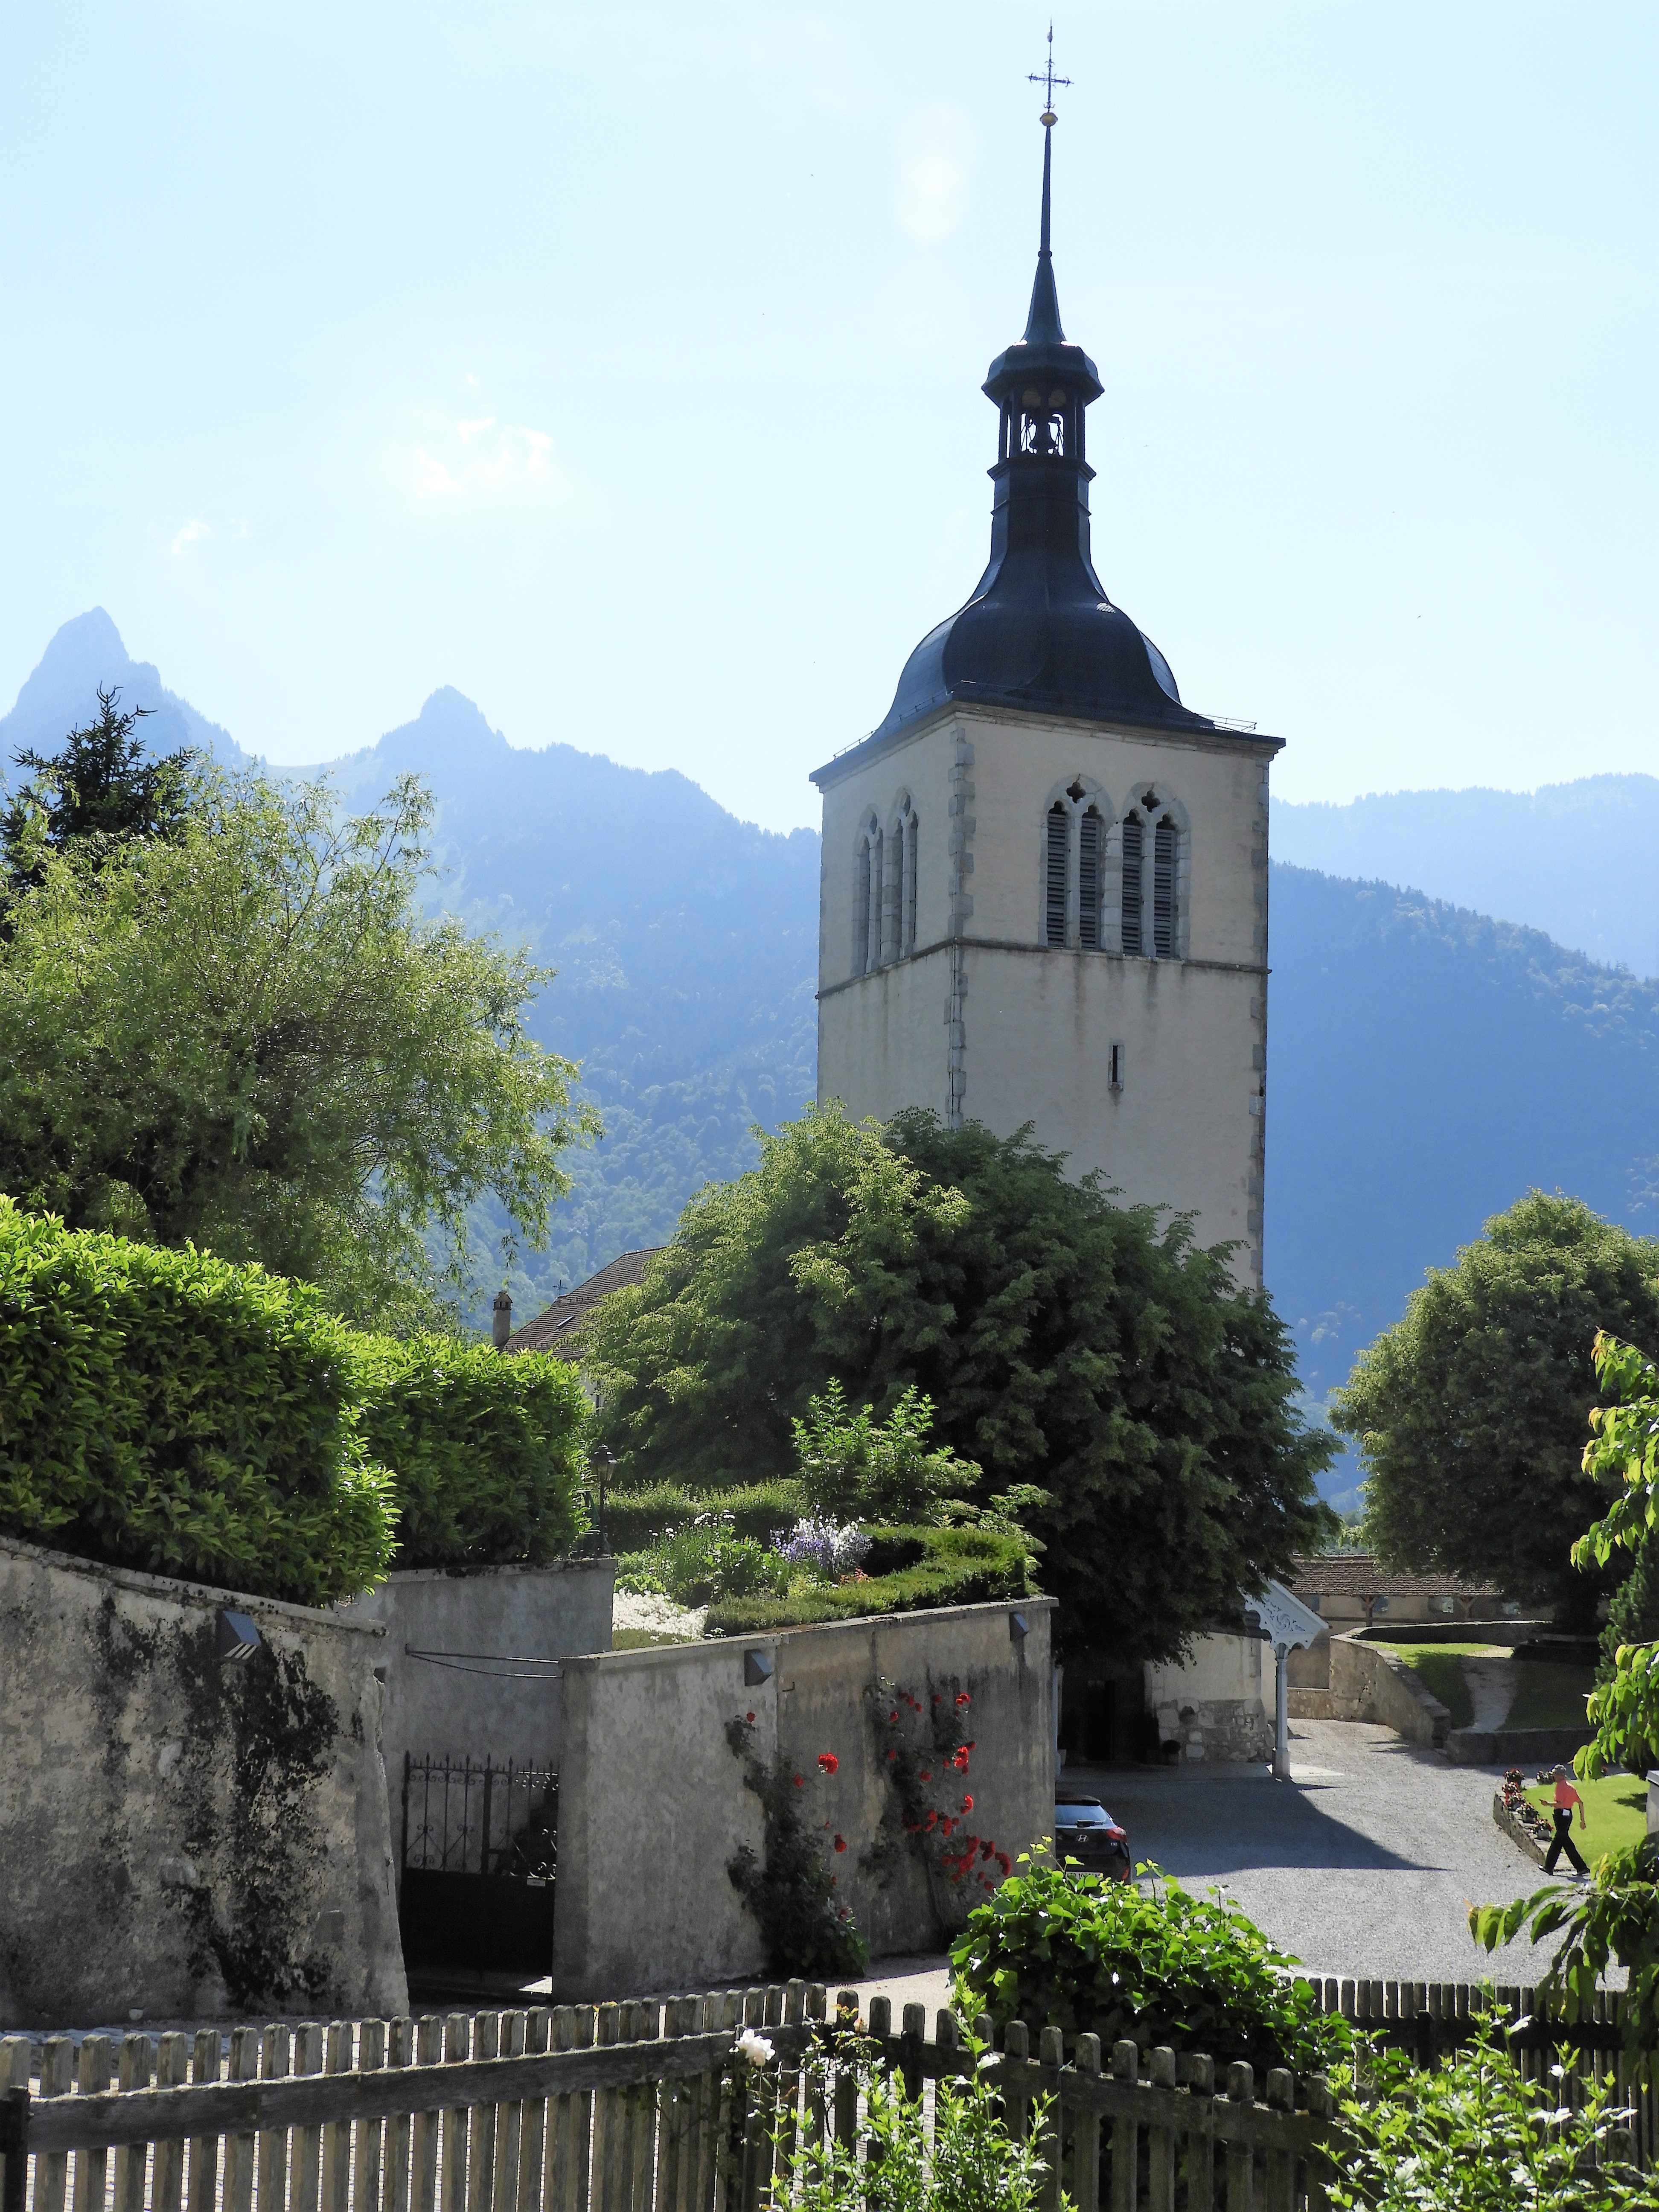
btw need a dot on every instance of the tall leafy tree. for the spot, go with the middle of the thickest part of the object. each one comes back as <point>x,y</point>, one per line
<point>232,1027</point>
<point>1472,1411</point>
<point>1068,1343</point>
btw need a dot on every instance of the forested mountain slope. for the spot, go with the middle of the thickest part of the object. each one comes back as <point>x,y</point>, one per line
<point>1426,1064</point>
<point>1575,859</point>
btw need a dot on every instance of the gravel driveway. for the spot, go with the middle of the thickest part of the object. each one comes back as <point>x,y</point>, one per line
<point>1365,1864</point>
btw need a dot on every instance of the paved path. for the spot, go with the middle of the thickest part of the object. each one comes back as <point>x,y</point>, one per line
<point>1365,1864</point>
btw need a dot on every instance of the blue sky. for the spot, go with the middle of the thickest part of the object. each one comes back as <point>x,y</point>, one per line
<point>621,366</point>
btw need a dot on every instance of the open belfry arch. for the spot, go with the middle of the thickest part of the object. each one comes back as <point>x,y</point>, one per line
<point>1044,896</point>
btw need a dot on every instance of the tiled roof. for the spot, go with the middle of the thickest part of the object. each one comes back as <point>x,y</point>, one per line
<point>1357,1574</point>
<point>557,1330</point>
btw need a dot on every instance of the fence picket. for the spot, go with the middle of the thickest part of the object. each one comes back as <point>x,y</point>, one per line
<point>427,2130</point>
<point>167,2177</point>
<point>1241,2160</point>
<point>509,2123</point>
<point>1126,2147</point>
<point>306,2151</point>
<point>366,2157</point>
<point>270,2151</point>
<point>606,2121</point>
<point>400,2051</point>
<point>337,2136</point>
<point>1160,2135</point>
<point>533,2127</point>
<point>451,2155</point>
<point>1086,2134</point>
<point>132,2159</point>
<point>91,2080</point>
<point>647,2028</point>
<point>1201,2140</point>
<point>57,2080</point>
<point>481,2145</point>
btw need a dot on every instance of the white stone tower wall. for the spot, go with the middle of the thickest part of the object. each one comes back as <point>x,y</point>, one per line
<point>989,1022</point>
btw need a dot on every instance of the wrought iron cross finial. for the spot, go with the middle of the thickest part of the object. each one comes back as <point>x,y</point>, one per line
<point>1046,78</point>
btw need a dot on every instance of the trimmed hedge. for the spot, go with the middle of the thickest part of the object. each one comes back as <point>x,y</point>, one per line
<point>166,1411</point>
<point>909,1571</point>
<point>486,1452</point>
<point>635,1519</point>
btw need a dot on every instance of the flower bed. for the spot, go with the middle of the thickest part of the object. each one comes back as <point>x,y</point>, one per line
<point>1521,1822</point>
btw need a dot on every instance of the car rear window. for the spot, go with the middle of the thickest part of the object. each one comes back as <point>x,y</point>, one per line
<point>1083,1816</point>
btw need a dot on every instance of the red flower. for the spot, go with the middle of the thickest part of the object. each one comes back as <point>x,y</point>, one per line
<point>751,1719</point>
<point>962,1698</point>
<point>1005,1862</point>
<point>987,1849</point>
<point>936,1696</point>
<point>800,1782</point>
<point>892,1717</point>
<point>827,1762</point>
<point>932,1820</point>
<point>960,1760</point>
<point>840,1843</point>
<point>892,1754</point>
<point>926,1775</point>
<point>968,1804</point>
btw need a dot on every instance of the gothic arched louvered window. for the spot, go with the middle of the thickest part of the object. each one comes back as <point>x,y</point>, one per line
<point>909,828</point>
<point>1053,874</point>
<point>1091,851</point>
<point>1131,886</point>
<point>1165,841</point>
<point>867,901</point>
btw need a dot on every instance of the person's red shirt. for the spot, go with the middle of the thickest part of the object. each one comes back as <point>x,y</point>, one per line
<point>1567,1797</point>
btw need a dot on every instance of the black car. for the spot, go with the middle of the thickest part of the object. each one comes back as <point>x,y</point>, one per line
<point>1085,1831</point>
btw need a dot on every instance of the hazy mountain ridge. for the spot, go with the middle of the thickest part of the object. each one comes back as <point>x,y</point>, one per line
<point>1426,1063</point>
<point>1574,859</point>
<point>63,691</point>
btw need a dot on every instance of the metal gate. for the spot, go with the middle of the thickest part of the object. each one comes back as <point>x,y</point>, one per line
<point>480,1846</point>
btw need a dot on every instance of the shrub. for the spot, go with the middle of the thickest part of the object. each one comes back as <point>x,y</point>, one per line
<point>1471,2136</point>
<point>486,1452</point>
<point>635,1519</point>
<point>931,1567</point>
<point>1095,1957</point>
<point>705,1560</point>
<point>166,1411</point>
<point>826,1550</point>
<point>974,2164</point>
<point>852,1463</point>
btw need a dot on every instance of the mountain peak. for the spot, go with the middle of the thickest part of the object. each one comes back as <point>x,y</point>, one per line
<point>62,693</point>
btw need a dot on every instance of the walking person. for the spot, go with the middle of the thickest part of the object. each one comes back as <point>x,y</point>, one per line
<point>1566,1798</point>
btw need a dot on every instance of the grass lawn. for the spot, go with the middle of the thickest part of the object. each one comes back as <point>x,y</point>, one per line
<point>1616,1809</point>
<point>1441,1666</point>
<point>1548,1696</point>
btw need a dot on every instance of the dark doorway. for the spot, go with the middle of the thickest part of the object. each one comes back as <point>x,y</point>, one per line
<point>480,1850</point>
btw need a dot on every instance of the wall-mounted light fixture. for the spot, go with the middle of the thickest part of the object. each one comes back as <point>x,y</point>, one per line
<point>238,1636</point>
<point>1018,1628</point>
<point>757,1669</point>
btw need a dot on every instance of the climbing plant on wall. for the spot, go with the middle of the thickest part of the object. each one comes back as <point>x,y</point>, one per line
<point>791,1886</point>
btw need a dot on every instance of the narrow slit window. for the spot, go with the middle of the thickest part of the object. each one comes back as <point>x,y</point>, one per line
<point>1132,893</point>
<point>907,923</point>
<point>1091,838</point>
<point>1165,839</point>
<point>1054,882</point>
<point>878,888</point>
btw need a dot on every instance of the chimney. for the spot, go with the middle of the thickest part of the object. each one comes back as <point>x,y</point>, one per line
<point>501,1320</point>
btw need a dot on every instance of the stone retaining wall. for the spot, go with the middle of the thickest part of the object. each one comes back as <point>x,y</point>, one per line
<point>1370,1684</point>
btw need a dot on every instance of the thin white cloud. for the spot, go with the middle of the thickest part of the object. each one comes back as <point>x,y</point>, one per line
<point>936,150</point>
<point>481,458</point>
<point>197,527</point>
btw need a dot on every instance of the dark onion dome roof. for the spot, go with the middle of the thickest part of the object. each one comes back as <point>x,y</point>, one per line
<point>1039,631</point>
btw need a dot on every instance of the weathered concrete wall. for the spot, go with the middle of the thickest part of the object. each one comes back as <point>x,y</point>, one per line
<point>1309,1668</point>
<point>482,1617</point>
<point>1370,1684</point>
<point>178,1835</point>
<point>1528,1747</point>
<point>1214,1706</point>
<point>652,1806</point>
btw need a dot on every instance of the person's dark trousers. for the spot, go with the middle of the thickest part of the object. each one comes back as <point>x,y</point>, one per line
<point>1563,1842</point>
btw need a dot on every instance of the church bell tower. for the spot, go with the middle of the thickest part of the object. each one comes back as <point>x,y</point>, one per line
<point>1044,890</point>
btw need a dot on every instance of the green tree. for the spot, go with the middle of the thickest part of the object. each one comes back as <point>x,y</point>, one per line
<point>1066,1343</point>
<point>1471,1410</point>
<point>99,791</point>
<point>243,1035</point>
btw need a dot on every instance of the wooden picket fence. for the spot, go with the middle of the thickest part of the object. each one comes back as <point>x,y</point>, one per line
<point>646,2108</point>
<point>621,2108</point>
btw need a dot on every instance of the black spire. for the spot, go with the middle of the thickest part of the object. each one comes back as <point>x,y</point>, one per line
<point>1042,324</point>
<point>1039,632</point>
